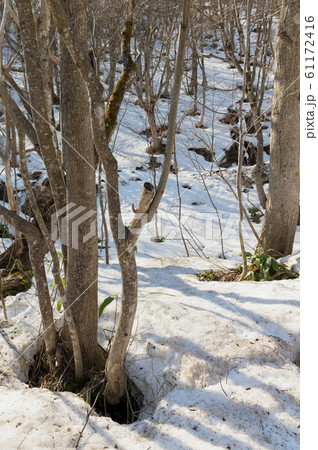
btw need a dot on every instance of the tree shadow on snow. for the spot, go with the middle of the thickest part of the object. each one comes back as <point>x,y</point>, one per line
<point>229,302</point>
<point>261,424</point>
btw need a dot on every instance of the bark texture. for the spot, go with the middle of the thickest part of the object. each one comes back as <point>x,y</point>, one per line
<point>282,208</point>
<point>37,99</point>
<point>38,250</point>
<point>79,161</point>
<point>115,366</point>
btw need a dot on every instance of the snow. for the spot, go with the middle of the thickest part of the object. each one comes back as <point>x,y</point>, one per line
<point>292,262</point>
<point>214,360</point>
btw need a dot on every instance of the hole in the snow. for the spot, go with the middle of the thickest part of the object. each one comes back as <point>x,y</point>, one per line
<point>91,389</point>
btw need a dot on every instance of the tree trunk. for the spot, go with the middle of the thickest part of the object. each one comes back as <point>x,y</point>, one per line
<point>114,45</point>
<point>43,34</point>
<point>204,87</point>
<point>7,165</point>
<point>37,250</point>
<point>115,367</point>
<point>153,129</point>
<point>255,109</point>
<point>281,216</point>
<point>239,188</point>
<point>193,89</point>
<point>78,154</point>
<point>37,99</point>
<point>259,165</point>
<point>168,71</point>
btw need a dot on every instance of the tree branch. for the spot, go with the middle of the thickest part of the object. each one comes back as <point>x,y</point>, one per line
<point>17,89</point>
<point>172,118</point>
<point>146,197</point>
<point>12,218</point>
<point>117,95</point>
<point>19,119</point>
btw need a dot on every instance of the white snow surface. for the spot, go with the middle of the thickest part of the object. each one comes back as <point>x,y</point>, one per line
<point>213,359</point>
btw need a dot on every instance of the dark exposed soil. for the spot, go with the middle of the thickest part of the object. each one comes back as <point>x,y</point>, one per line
<point>160,130</point>
<point>91,389</point>
<point>220,275</point>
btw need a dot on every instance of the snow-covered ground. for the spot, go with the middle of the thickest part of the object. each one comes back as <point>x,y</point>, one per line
<point>213,359</point>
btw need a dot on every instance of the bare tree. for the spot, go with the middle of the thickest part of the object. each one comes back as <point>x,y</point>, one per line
<point>154,33</point>
<point>238,20</point>
<point>282,209</point>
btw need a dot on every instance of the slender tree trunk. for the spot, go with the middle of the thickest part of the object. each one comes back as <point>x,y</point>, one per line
<point>281,216</point>
<point>115,367</point>
<point>37,250</point>
<point>193,89</point>
<point>103,213</point>
<point>260,165</point>
<point>37,99</point>
<point>172,118</point>
<point>19,119</point>
<point>43,33</point>
<point>153,128</point>
<point>168,71</point>
<point>12,201</point>
<point>204,86</point>
<point>150,101</point>
<point>239,191</point>
<point>255,121</point>
<point>116,380</point>
<point>113,55</point>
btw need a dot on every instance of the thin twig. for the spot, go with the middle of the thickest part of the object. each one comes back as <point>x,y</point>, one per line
<point>2,299</point>
<point>89,412</point>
